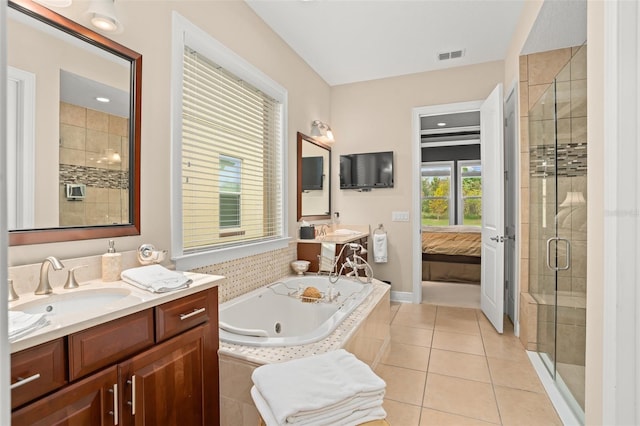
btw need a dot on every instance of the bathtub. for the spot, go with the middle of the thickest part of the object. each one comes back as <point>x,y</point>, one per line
<point>276,316</point>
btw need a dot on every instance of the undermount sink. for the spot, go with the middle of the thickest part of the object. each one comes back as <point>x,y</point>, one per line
<point>73,301</point>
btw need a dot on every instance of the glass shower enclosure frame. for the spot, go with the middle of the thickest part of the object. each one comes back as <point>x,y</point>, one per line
<point>558,227</point>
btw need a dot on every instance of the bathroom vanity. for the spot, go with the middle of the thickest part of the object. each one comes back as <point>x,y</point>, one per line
<point>151,363</point>
<point>311,249</point>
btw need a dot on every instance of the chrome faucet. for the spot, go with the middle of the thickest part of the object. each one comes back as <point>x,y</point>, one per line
<point>44,287</point>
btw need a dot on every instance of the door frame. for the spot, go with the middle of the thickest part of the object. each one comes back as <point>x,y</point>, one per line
<point>416,154</point>
<point>514,93</point>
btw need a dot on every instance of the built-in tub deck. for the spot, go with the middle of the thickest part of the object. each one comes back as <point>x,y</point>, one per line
<point>365,332</point>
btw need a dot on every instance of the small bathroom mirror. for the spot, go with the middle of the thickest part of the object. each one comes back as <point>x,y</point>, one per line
<point>314,179</point>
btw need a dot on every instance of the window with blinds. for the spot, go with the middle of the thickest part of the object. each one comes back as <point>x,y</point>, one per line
<point>231,159</point>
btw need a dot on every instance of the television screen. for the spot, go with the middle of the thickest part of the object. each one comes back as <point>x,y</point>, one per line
<point>366,171</point>
<point>312,173</point>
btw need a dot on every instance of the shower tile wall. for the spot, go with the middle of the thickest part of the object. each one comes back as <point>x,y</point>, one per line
<point>537,72</point>
<point>85,137</point>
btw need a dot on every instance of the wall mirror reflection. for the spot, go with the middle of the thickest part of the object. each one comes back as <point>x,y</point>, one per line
<point>314,178</point>
<point>73,130</point>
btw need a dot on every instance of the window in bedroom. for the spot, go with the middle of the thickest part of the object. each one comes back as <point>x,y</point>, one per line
<point>470,193</point>
<point>436,193</point>
<point>228,154</point>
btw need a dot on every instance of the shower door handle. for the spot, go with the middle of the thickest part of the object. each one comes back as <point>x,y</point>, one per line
<point>567,254</point>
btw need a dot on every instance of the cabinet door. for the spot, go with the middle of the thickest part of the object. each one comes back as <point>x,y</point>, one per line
<point>165,385</point>
<point>91,401</point>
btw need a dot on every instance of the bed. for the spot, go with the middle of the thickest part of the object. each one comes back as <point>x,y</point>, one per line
<point>451,253</point>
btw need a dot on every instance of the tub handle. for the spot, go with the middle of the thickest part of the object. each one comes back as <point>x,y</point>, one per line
<point>242,331</point>
<point>191,314</point>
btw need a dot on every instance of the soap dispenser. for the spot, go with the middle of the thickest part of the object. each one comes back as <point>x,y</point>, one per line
<point>111,264</point>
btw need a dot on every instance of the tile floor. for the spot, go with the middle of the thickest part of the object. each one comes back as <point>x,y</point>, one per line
<point>448,366</point>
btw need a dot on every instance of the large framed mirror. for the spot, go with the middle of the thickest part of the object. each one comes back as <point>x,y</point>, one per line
<point>314,179</point>
<point>74,130</point>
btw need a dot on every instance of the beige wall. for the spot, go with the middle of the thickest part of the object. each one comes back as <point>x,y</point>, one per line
<point>235,25</point>
<point>376,116</point>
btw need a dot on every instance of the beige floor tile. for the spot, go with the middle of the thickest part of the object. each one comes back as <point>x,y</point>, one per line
<point>514,374</point>
<point>460,396</point>
<point>401,414</point>
<point>457,313</point>
<point>505,347</point>
<point>421,317</point>
<point>431,417</point>
<point>457,342</point>
<point>403,384</point>
<point>457,325</point>
<point>411,335</point>
<point>407,356</point>
<point>518,407</point>
<point>458,364</point>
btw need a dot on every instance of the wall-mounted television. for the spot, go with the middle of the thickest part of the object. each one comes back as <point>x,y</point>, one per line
<point>312,173</point>
<point>366,171</point>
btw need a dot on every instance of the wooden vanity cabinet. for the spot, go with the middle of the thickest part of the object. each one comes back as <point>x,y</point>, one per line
<point>91,401</point>
<point>311,252</point>
<point>173,381</point>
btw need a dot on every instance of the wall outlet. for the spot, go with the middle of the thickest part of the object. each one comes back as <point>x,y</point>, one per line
<point>400,216</point>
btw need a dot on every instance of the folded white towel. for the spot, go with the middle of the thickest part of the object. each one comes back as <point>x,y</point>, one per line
<point>313,384</point>
<point>327,257</point>
<point>380,247</point>
<point>327,418</point>
<point>21,323</point>
<point>155,278</point>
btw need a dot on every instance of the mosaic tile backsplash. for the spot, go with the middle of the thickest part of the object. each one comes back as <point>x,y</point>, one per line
<point>249,273</point>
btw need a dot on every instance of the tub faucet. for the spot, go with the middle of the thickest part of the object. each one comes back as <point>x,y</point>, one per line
<point>44,287</point>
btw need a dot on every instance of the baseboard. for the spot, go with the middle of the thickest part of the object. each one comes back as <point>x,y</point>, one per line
<point>401,296</point>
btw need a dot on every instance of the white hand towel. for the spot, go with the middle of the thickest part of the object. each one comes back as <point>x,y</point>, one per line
<point>312,384</point>
<point>328,418</point>
<point>21,323</point>
<point>327,257</point>
<point>380,248</point>
<point>155,278</point>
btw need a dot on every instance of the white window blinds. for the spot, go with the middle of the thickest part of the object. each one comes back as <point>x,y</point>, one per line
<point>231,159</point>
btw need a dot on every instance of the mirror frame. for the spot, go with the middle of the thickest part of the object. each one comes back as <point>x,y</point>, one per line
<point>50,235</point>
<point>304,138</point>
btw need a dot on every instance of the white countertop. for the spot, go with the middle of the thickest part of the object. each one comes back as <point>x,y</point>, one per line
<point>138,300</point>
<point>338,238</point>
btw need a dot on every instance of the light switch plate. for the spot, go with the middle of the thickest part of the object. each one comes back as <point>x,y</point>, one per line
<point>400,216</point>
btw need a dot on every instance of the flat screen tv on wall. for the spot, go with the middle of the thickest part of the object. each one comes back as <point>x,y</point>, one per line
<point>312,173</point>
<point>366,171</point>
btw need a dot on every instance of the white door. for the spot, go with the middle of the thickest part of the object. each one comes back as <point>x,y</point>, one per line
<point>491,152</point>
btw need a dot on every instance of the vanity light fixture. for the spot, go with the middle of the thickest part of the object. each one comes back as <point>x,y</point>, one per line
<point>102,15</point>
<point>103,99</point>
<point>321,130</point>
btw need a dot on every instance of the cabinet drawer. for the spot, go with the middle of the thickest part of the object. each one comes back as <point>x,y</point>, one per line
<point>179,315</point>
<point>109,343</point>
<point>40,369</point>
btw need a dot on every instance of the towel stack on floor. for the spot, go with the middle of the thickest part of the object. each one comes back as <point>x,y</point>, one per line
<point>334,388</point>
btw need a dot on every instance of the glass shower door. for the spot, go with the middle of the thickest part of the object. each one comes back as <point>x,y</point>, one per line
<point>558,227</point>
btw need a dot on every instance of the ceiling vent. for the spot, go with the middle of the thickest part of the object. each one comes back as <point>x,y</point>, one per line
<point>454,54</point>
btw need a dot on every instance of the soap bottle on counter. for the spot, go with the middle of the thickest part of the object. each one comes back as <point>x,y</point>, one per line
<point>111,264</point>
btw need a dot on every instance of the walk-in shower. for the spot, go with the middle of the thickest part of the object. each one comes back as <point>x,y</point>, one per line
<point>558,224</point>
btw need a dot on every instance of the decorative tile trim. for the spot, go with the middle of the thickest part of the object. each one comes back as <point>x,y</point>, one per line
<point>94,177</point>
<point>572,160</point>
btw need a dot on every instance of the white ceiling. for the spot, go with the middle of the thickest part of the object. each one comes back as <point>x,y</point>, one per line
<point>347,41</point>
